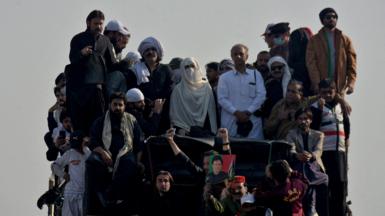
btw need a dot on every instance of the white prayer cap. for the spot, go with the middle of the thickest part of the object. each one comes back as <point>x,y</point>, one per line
<point>116,25</point>
<point>134,95</point>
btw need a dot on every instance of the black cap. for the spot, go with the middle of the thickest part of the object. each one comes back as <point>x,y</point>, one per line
<point>325,11</point>
<point>280,28</point>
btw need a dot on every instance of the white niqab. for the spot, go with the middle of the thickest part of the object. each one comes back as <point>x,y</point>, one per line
<point>192,99</point>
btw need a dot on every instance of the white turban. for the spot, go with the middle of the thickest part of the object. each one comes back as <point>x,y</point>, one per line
<point>286,77</point>
<point>149,43</point>
<point>134,95</point>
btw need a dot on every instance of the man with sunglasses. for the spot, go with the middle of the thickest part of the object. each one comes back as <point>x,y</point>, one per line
<point>330,55</point>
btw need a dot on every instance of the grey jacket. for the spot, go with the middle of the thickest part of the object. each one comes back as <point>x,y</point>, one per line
<point>315,143</point>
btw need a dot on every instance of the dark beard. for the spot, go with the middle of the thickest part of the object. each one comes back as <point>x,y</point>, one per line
<point>116,115</point>
<point>303,127</point>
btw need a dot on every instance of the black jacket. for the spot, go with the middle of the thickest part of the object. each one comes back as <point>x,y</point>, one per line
<point>90,69</point>
<point>159,86</point>
<point>149,125</point>
<point>117,140</point>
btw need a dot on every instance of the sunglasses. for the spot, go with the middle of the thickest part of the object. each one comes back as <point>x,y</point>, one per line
<point>189,66</point>
<point>277,68</point>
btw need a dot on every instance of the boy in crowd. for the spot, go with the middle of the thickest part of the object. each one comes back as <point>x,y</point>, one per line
<point>330,118</point>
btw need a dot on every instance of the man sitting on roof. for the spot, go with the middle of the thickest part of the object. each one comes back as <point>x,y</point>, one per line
<point>113,171</point>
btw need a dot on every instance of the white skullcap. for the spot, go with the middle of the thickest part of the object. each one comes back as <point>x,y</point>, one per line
<point>116,25</point>
<point>134,95</point>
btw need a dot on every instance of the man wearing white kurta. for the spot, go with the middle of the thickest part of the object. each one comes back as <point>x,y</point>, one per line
<point>240,93</point>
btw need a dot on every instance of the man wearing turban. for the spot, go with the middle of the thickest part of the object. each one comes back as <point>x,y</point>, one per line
<point>152,78</point>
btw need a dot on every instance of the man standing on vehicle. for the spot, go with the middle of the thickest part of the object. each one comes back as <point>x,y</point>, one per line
<point>240,93</point>
<point>91,56</point>
<point>330,55</point>
<point>119,37</point>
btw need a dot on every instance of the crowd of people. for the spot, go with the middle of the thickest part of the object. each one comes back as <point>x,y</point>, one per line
<point>109,104</point>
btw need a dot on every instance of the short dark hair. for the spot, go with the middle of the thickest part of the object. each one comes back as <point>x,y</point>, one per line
<point>325,11</point>
<point>217,157</point>
<point>118,95</point>
<point>296,82</point>
<point>166,173</point>
<point>300,111</point>
<point>56,89</point>
<point>327,83</point>
<point>63,115</point>
<point>60,78</point>
<point>95,14</point>
<point>280,170</point>
<point>263,52</point>
<point>213,66</point>
<point>76,140</point>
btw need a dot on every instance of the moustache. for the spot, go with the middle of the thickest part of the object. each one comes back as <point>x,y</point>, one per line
<point>150,54</point>
<point>302,126</point>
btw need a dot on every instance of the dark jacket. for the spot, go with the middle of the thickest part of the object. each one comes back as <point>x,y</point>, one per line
<point>297,54</point>
<point>168,204</point>
<point>149,125</point>
<point>90,69</point>
<point>274,93</point>
<point>159,86</point>
<point>117,140</point>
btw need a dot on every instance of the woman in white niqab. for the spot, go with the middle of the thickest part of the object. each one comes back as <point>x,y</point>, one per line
<point>192,100</point>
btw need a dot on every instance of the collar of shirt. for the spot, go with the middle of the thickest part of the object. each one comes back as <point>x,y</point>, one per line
<point>247,71</point>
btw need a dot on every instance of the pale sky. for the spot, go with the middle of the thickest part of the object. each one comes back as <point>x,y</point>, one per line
<point>35,47</point>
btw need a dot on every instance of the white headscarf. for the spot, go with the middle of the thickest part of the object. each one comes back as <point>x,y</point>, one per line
<point>192,99</point>
<point>141,72</point>
<point>286,77</point>
<point>133,56</point>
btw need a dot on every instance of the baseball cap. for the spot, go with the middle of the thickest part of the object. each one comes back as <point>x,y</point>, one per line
<point>280,28</point>
<point>116,25</point>
<point>267,30</point>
